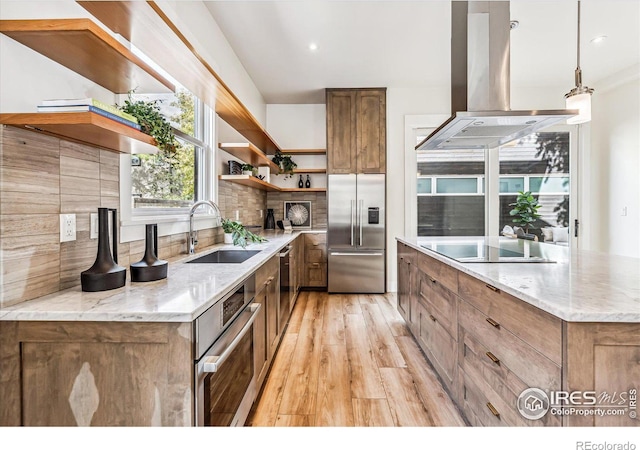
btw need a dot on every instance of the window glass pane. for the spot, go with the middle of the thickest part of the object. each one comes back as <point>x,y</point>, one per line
<point>164,180</point>
<point>456,185</point>
<point>549,184</point>
<point>509,185</point>
<point>543,158</point>
<point>455,214</point>
<point>424,185</point>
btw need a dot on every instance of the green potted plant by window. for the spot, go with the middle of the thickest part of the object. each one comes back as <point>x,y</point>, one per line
<point>235,233</point>
<point>151,121</point>
<point>285,163</point>
<point>525,210</point>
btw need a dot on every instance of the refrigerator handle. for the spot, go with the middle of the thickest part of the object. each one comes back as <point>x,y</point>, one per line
<point>351,217</point>
<point>361,208</point>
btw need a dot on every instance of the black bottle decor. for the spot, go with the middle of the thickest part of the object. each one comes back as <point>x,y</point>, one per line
<point>269,223</point>
<point>105,274</point>
<point>308,183</point>
<point>300,182</point>
<point>150,268</point>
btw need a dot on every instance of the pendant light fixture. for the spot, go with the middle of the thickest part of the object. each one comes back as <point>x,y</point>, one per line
<point>580,96</point>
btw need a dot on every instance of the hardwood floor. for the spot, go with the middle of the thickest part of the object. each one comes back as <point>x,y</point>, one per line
<point>349,360</point>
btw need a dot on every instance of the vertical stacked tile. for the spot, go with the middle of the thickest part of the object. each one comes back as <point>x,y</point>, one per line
<point>29,220</point>
<point>248,201</point>
<point>79,195</point>
<point>318,201</point>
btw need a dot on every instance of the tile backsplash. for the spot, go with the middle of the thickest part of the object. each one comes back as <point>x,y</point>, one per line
<point>43,176</point>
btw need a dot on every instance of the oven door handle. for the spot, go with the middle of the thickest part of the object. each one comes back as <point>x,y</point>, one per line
<point>283,254</point>
<point>213,363</point>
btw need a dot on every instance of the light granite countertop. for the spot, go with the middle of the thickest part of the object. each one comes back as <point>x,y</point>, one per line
<point>188,291</point>
<point>579,286</point>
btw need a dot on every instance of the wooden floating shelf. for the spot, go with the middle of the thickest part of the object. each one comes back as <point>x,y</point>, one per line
<point>85,127</point>
<point>146,26</point>
<point>249,154</point>
<point>251,181</point>
<point>254,182</point>
<point>309,170</point>
<point>305,151</point>
<point>303,189</point>
<point>85,48</point>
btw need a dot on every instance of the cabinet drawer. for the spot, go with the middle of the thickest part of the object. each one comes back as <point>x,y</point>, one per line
<point>517,356</point>
<point>480,404</point>
<point>315,248</point>
<point>443,274</point>
<point>478,362</point>
<point>538,328</point>
<point>266,271</point>
<point>316,275</point>
<point>315,239</point>
<point>439,347</point>
<point>439,301</point>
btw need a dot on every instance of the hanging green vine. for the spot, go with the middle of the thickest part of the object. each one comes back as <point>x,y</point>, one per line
<point>151,121</point>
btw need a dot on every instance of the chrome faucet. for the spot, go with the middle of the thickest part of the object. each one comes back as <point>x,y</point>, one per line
<point>193,234</point>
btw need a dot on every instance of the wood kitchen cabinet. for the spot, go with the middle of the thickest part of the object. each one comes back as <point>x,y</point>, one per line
<point>268,284</point>
<point>356,130</point>
<point>296,267</point>
<point>407,284</point>
<point>488,346</point>
<point>96,373</point>
<point>315,257</point>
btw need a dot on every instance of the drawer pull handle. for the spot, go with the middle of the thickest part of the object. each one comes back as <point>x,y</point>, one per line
<point>493,288</point>
<point>493,410</point>
<point>433,280</point>
<point>432,317</point>
<point>493,322</point>
<point>316,244</point>
<point>315,264</point>
<point>493,358</point>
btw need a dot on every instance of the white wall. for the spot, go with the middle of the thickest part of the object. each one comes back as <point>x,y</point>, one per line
<point>299,126</point>
<point>26,76</point>
<point>402,102</point>
<point>615,169</point>
<point>195,21</point>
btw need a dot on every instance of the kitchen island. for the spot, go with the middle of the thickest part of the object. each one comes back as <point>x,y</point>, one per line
<point>551,318</point>
<point>125,356</point>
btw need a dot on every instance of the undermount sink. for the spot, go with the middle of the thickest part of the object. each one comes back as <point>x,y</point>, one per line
<point>226,257</point>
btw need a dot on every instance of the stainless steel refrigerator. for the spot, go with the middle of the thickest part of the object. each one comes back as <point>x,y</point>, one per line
<point>356,233</point>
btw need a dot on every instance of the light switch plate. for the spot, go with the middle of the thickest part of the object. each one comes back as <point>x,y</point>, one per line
<point>94,226</point>
<point>67,227</point>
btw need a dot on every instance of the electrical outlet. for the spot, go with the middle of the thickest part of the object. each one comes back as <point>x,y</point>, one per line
<point>67,227</point>
<point>94,226</point>
<point>237,215</point>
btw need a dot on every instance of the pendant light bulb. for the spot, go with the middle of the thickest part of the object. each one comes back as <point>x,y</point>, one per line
<point>580,96</point>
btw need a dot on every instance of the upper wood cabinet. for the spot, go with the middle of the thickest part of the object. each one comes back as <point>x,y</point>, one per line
<point>356,130</point>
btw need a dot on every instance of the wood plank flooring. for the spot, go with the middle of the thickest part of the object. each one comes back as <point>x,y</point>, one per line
<point>349,360</point>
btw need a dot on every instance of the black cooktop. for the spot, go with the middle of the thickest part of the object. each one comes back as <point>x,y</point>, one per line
<point>482,253</point>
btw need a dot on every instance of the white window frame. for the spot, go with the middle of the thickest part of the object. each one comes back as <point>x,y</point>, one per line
<point>174,220</point>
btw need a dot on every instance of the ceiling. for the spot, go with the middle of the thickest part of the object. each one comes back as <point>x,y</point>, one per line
<point>406,43</point>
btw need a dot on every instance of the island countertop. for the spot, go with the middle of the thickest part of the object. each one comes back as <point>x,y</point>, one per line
<point>579,286</point>
<point>188,291</point>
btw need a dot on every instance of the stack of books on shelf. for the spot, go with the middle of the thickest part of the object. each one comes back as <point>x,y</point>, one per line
<point>89,105</point>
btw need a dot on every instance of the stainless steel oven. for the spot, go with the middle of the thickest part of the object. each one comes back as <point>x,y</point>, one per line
<point>224,365</point>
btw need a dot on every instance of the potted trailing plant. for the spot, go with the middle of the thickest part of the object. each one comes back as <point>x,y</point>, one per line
<point>151,121</point>
<point>239,235</point>
<point>525,210</point>
<point>285,163</point>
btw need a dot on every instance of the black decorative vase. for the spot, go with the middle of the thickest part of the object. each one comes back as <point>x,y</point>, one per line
<point>308,183</point>
<point>300,182</point>
<point>105,274</point>
<point>269,223</point>
<point>150,268</point>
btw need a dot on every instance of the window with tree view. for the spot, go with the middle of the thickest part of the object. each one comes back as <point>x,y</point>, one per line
<point>169,179</point>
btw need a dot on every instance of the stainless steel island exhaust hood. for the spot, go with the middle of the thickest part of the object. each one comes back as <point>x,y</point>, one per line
<point>480,83</point>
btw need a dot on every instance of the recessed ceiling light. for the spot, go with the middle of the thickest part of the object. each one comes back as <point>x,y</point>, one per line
<point>598,39</point>
<point>313,46</point>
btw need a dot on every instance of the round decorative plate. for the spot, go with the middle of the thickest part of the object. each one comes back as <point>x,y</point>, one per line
<point>298,214</point>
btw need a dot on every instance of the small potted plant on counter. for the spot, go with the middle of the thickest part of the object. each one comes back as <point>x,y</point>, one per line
<point>235,233</point>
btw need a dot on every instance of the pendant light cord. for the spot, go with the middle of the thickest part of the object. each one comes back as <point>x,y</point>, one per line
<point>578,40</point>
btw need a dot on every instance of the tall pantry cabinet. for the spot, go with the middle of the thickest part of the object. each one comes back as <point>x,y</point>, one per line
<point>356,130</point>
